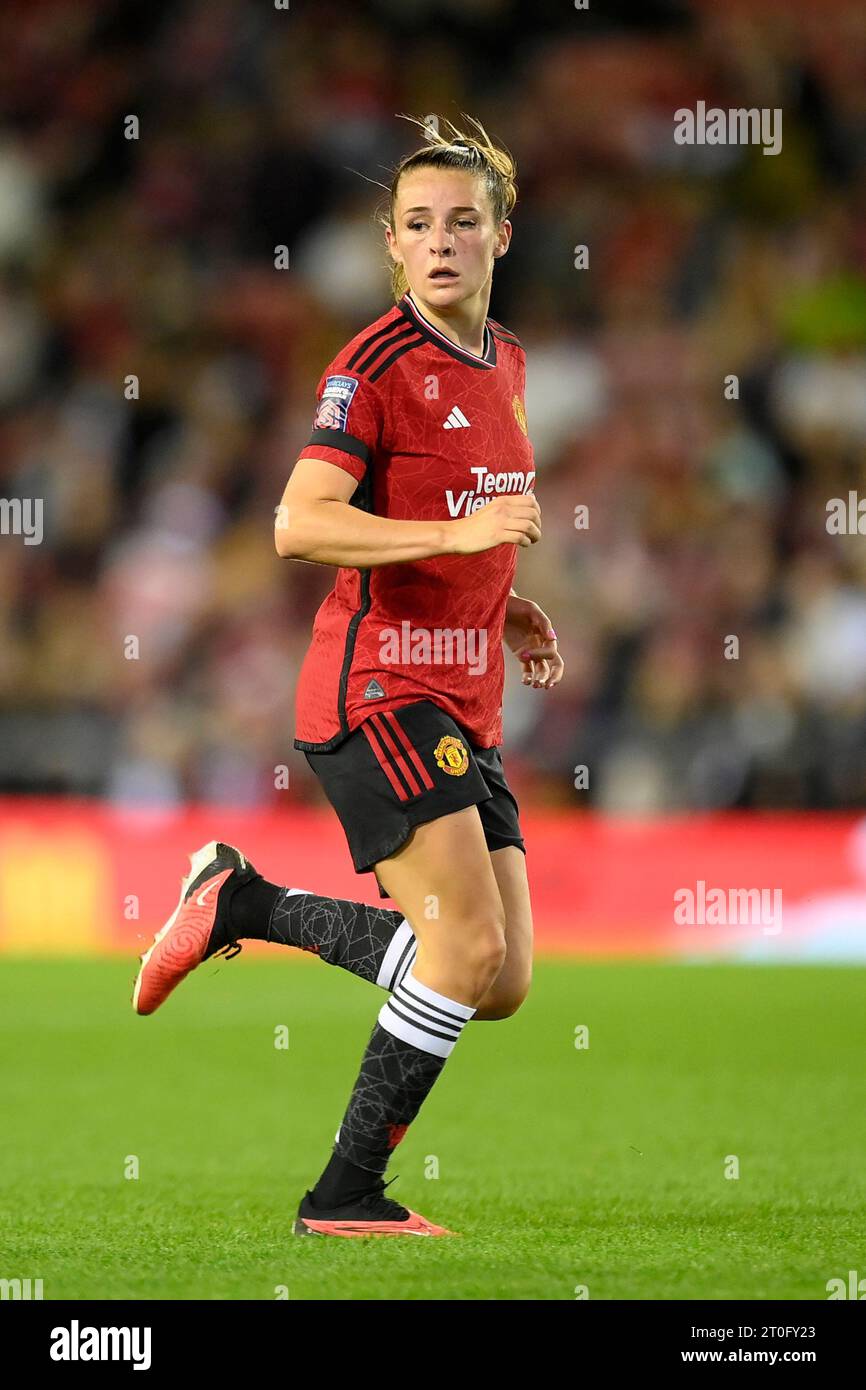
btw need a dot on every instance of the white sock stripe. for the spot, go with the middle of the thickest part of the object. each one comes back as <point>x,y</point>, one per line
<point>414,1001</point>
<point>424,1016</point>
<point>425,1025</point>
<point>403,969</point>
<point>400,1027</point>
<point>394,956</point>
<point>407,964</point>
<point>430,996</point>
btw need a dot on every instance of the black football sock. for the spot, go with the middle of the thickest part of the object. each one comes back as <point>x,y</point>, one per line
<point>375,943</point>
<point>414,1035</point>
<point>341,1183</point>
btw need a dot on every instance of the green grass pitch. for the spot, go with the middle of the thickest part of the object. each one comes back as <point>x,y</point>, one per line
<point>601,1167</point>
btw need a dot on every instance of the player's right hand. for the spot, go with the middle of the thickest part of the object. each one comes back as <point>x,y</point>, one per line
<point>515,517</point>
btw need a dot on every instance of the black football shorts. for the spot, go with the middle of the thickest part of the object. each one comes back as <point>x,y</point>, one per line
<point>403,767</point>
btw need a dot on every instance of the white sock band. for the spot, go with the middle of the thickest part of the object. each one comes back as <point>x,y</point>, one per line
<point>400,954</point>
<point>419,1015</point>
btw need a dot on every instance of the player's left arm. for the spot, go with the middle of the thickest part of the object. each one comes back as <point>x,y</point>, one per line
<point>529,633</point>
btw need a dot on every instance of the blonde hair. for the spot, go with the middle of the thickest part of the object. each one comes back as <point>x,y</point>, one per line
<point>474,153</point>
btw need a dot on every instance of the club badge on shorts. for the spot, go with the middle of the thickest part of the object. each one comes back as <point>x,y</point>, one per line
<point>451,755</point>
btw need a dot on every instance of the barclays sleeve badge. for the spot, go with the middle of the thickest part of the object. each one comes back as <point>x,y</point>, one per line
<point>333,407</point>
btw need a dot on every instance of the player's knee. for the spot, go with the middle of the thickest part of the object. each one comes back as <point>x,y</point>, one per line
<point>494,1012</point>
<point>482,952</point>
<point>506,1003</point>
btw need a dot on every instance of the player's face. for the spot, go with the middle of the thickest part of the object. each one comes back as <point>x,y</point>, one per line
<point>444,221</point>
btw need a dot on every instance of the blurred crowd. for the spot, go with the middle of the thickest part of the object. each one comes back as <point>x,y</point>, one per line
<point>699,387</point>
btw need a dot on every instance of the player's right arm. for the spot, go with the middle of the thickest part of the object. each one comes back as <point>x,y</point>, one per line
<point>315,522</point>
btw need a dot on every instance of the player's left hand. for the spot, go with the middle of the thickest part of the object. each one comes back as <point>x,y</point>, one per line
<point>530,635</point>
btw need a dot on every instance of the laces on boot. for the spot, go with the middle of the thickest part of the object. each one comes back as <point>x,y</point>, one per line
<point>384,1206</point>
<point>229,951</point>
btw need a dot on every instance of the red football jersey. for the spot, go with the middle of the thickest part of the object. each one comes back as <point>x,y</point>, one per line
<point>430,430</point>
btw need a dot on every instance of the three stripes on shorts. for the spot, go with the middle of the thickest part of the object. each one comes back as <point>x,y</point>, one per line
<point>399,760</point>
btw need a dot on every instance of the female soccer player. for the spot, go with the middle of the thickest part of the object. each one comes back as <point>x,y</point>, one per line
<point>417,484</point>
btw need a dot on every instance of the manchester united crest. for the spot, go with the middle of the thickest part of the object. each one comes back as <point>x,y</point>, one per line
<point>519,413</point>
<point>451,756</point>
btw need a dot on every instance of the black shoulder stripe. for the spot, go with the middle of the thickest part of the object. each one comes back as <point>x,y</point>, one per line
<point>415,341</point>
<point>375,355</point>
<point>373,338</point>
<point>503,334</point>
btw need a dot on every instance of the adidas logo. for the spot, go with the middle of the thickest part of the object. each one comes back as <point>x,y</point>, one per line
<point>374,691</point>
<point>456,420</point>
